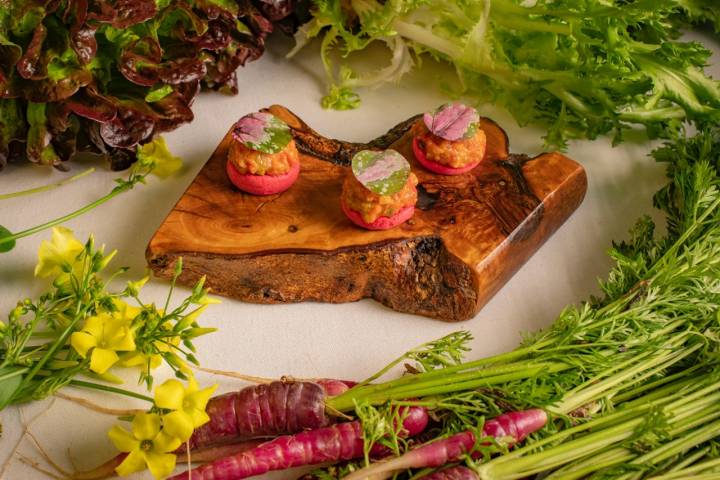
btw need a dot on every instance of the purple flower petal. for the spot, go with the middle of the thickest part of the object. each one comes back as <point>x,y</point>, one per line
<point>452,121</point>
<point>251,127</point>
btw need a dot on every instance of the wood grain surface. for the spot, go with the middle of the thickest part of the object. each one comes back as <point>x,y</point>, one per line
<point>470,232</point>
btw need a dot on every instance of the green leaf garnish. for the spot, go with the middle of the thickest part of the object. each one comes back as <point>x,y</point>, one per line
<point>262,132</point>
<point>6,245</point>
<point>384,173</point>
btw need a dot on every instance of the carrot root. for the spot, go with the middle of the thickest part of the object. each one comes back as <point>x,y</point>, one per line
<point>510,427</point>
<point>343,441</point>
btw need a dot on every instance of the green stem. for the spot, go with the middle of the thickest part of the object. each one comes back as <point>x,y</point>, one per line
<point>689,460</point>
<point>622,397</point>
<point>65,218</point>
<point>13,374</point>
<point>622,455</point>
<point>692,472</point>
<point>346,404</point>
<point>681,444</point>
<point>107,388</point>
<point>50,186</point>
<point>348,398</point>
<point>656,362</point>
<point>530,459</point>
<point>697,223</point>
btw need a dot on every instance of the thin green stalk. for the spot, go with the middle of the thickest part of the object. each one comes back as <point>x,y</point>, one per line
<point>624,456</point>
<point>693,471</point>
<point>521,463</point>
<point>12,374</point>
<point>80,311</point>
<point>697,223</point>
<point>654,386</point>
<point>60,220</point>
<point>50,186</point>
<point>107,388</point>
<point>689,460</point>
<point>345,403</point>
<point>576,399</point>
<point>681,444</point>
<point>604,460</point>
<point>561,454</point>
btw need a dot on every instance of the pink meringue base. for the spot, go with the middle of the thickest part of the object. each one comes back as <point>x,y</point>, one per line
<point>262,184</point>
<point>436,167</point>
<point>382,223</point>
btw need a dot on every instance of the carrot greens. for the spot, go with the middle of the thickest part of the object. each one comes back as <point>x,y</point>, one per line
<point>631,379</point>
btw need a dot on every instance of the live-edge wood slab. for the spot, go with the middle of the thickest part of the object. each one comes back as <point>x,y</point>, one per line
<point>470,233</point>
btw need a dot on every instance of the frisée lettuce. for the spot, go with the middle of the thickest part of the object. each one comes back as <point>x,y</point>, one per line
<point>579,68</point>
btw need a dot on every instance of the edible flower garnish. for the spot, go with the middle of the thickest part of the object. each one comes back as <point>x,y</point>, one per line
<point>147,445</point>
<point>58,255</point>
<point>262,132</point>
<point>383,172</point>
<point>453,121</point>
<point>187,406</point>
<point>102,337</point>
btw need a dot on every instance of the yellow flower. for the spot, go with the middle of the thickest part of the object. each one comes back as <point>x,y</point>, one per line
<point>61,251</point>
<point>125,312</point>
<point>188,405</point>
<point>146,445</point>
<point>102,336</point>
<point>139,359</point>
<point>157,153</point>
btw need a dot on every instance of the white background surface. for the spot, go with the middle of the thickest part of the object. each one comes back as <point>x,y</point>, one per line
<point>306,340</point>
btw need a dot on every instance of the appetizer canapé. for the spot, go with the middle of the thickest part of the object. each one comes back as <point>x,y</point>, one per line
<point>262,158</point>
<point>380,192</point>
<point>449,141</point>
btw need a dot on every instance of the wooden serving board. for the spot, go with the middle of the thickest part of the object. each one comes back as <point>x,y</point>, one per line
<point>470,233</point>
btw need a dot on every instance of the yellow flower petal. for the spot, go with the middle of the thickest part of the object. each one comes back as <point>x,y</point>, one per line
<point>122,341</point>
<point>122,439</point>
<point>199,401</point>
<point>134,462</point>
<point>199,417</point>
<point>165,442</point>
<point>62,248</point>
<point>82,342</point>
<point>170,395</point>
<point>98,325</point>
<point>160,464</point>
<point>178,424</point>
<point>101,359</point>
<point>146,426</point>
<point>192,385</point>
<point>125,312</point>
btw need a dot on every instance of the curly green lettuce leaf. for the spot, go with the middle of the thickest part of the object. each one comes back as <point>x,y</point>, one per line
<point>578,68</point>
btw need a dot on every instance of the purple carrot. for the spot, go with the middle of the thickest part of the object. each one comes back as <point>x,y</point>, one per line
<point>265,410</point>
<point>334,387</point>
<point>209,454</point>
<point>258,411</point>
<point>343,441</point>
<point>510,428</point>
<point>458,472</point>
